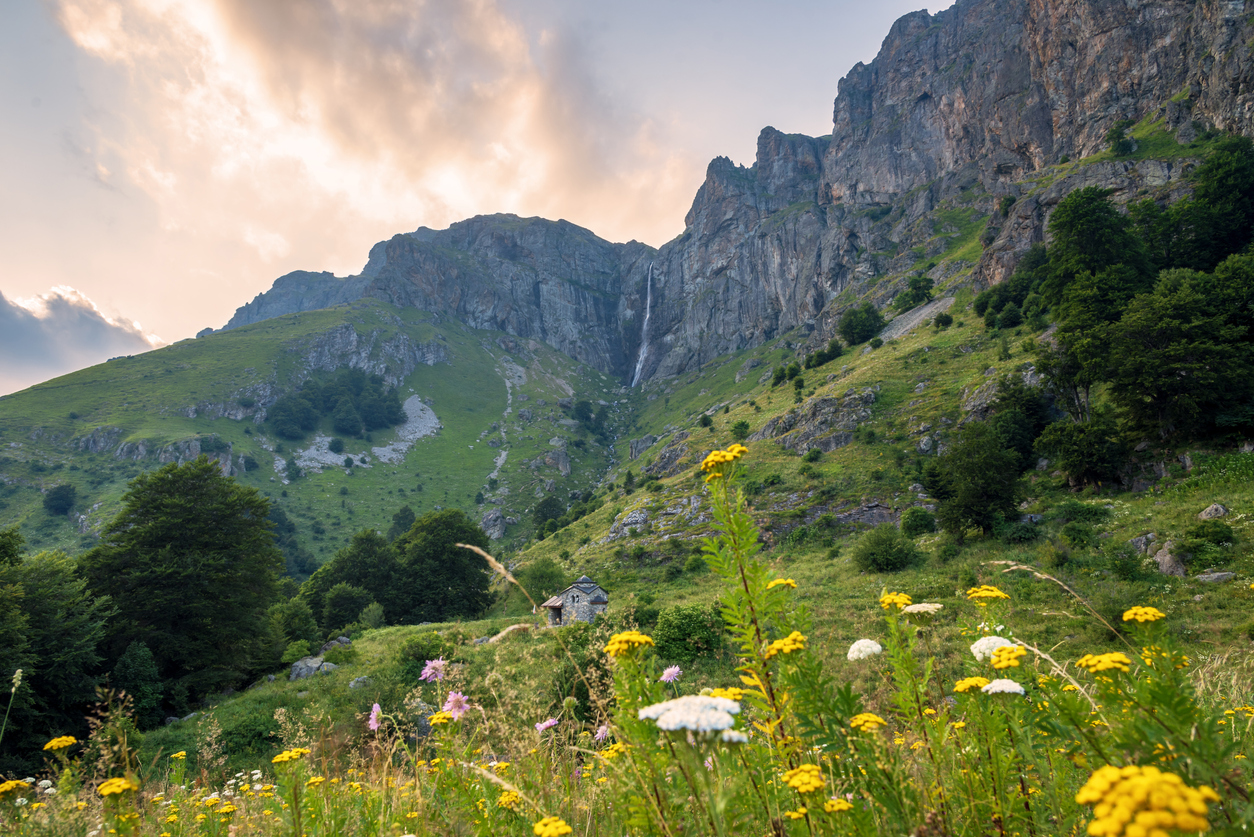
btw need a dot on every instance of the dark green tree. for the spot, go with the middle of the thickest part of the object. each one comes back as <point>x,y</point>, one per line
<point>370,562</point>
<point>740,430</point>
<point>542,578</point>
<point>294,621</point>
<point>860,324</point>
<point>1175,361</point>
<point>980,480</point>
<point>401,521</point>
<point>551,508</point>
<point>1089,235</point>
<point>60,499</point>
<point>343,604</point>
<point>345,419</point>
<point>191,566</point>
<point>440,580</point>
<point>136,674</point>
<point>1088,452</point>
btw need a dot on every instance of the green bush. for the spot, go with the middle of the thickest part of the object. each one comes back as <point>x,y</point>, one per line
<point>813,455</point>
<point>1073,511</point>
<point>1213,532</point>
<point>296,649</point>
<point>340,654</point>
<point>686,632</point>
<point>1078,535</point>
<point>885,550</point>
<point>916,521</point>
<point>695,564</point>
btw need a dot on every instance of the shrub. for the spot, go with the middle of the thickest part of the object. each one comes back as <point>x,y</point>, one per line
<point>296,649</point>
<point>1212,531</point>
<point>60,499</point>
<point>686,632</point>
<point>1078,535</point>
<point>1075,511</point>
<point>372,616</point>
<point>740,430</point>
<point>942,320</point>
<point>695,564</point>
<point>916,521</point>
<point>1018,532</point>
<point>860,324</point>
<point>336,445</point>
<point>813,455</point>
<point>884,549</point>
<point>341,654</point>
<point>876,343</point>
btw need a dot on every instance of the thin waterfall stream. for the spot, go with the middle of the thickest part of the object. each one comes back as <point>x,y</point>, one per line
<point>644,329</point>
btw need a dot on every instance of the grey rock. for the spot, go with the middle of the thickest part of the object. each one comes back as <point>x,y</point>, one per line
<point>639,446</point>
<point>1170,560</point>
<point>1031,518</point>
<point>304,667</point>
<point>825,423</point>
<point>925,445</point>
<point>560,460</point>
<point>170,719</point>
<point>1215,578</point>
<point>493,524</point>
<point>327,668</point>
<point>338,642</point>
<point>1212,512</point>
<point>359,682</point>
<point>1142,543</point>
<point>671,459</point>
<point>189,717</point>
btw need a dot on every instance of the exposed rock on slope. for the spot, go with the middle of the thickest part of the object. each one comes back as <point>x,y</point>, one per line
<point>953,114</point>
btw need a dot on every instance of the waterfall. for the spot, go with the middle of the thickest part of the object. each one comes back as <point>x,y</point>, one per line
<point>644,330</point>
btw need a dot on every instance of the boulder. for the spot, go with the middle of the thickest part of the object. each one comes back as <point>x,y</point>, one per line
<point>1142,544</point>
<point>493,524</point>
<point>1214,578</point>
<point>560,460</point>
<point>336,643</point>
<point>304,667</point>
<point>1170,559</point>
<point>1211,512</point>
<point>639,446</point>
<point>358,682</point>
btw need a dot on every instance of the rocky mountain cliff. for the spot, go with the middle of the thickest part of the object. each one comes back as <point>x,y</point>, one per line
<point>958,110</point>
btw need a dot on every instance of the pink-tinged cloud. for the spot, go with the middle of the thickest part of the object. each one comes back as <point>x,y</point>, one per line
<point>58,332</point>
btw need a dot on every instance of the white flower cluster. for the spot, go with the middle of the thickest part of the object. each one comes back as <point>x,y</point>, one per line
<point>697,713</point>
<point>864,648</point>
<point>1002,686</point>
<point>926,608</point>
<point>984,647</point>
<point>734,736</point>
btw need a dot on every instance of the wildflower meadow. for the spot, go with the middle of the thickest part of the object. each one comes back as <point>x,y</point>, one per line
<point>1112,744</point>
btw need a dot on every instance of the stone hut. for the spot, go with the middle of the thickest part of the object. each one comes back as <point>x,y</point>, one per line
<point>581,601</point>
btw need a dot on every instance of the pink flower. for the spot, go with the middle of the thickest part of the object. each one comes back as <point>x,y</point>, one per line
<point>671,674</point>
<point>549,724</point>
<point>434,670</point>
<point>603,732</point>
<point>456,705</point>
<point>375,712</point>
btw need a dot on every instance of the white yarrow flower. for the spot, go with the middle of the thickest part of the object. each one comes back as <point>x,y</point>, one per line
<point>734,736</point>
<point>984,647</point>
<point>864,648</point>
<point>696,713</point>
<point>926,608</point>
<point>1002,686</point>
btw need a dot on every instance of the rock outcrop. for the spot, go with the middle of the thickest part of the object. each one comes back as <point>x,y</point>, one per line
<point>823,423</point>
<point>958,110</point>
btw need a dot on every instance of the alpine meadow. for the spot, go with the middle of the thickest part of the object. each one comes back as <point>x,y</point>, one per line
<point>908,491</point>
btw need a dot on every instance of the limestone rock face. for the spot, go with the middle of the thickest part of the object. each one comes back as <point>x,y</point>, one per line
<point>823,423</point>
<point>961,105</point>
<point>493,524</point>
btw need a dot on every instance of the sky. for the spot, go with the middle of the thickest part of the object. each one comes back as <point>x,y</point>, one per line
<point>163,161</point>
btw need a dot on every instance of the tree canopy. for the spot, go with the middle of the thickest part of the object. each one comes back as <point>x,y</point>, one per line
<point>191,567</point>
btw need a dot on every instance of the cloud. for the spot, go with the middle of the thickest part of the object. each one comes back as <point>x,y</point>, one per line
<point>265,122</point>
<point>58,332</point>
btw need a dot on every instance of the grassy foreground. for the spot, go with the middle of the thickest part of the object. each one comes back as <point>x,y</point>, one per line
<point>1022,741</point>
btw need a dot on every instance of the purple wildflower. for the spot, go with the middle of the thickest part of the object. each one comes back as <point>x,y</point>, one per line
<point>434,670</point>
<point>549,724</point>
<point>375,712</point>
<point>671,674</point>
<point>456,705</point>
<point>603,732</point>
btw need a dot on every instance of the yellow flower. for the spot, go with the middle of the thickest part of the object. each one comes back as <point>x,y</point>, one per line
<point>795,815</point>
<point>715,461</point>
<point>118,785</point>
<point>314,781</point>
<point>289,755</point>
<point>805,779</point>
<point>966,684</point>
<point>1143,614</point>
<point>180,755</point>
<point>61,742</point>
<point>551,827</point>
<point>833,806</point>
<point>613,751</point>
<point>782,582</point>
<point>1116,660</point>
<point>795,641</point>
<point>1007,656</point>
<point>508,800</point>
<point>1070,687</point>
<point>13,784</point>
<point>731,693</point>
<point>622,644</point>
<point>959,724</point>
<point>867,722</point>
<point>1143,800</point>
<point>888,600</point>
<point>439,718</point>
<point>983,592</point>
